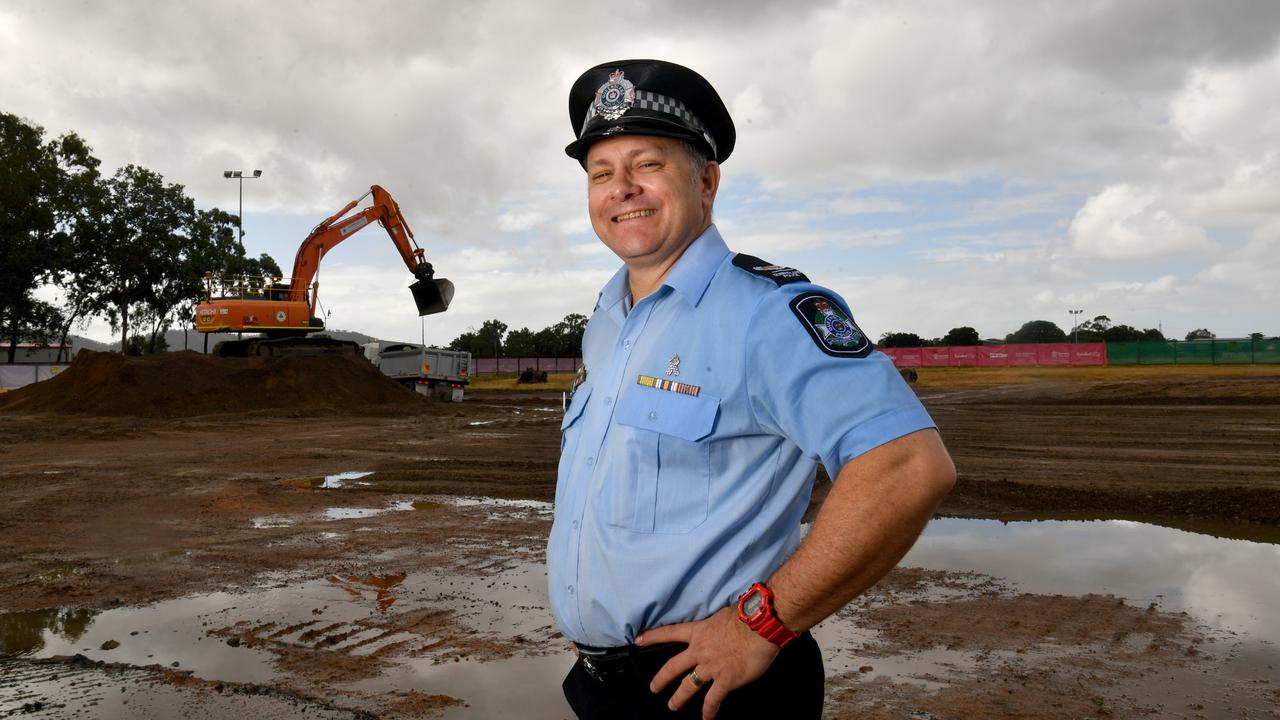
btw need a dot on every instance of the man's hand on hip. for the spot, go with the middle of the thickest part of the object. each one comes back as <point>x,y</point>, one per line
<point>723,653</point>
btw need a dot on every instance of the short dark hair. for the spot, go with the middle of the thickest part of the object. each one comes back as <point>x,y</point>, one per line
<point>697,157</point>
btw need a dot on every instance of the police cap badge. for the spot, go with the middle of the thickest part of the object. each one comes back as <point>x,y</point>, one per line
<point>648,97</point>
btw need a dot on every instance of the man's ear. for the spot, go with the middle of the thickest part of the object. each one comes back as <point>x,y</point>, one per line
<point>710,182</point>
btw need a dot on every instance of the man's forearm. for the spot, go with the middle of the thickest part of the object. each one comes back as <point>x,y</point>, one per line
<point>880,503</point>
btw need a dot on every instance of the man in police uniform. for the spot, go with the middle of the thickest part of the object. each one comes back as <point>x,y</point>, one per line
<point>713,383</point>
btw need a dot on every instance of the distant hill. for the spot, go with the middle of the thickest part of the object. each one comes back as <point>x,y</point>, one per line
<point>192,340</point>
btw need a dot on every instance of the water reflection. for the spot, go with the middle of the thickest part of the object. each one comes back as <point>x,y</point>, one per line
<point>333,482</point>
<point>1230,583</point>
<point>24,632</point>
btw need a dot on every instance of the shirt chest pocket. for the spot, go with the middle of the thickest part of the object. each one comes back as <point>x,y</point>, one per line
<point>660,482</point>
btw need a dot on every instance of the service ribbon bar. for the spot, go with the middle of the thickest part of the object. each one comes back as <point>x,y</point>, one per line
<point>668,385</point>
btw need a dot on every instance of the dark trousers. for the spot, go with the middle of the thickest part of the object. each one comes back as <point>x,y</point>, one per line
<point>792,687</point>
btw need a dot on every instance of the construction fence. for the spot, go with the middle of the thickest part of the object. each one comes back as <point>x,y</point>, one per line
<point>1195,352</point>
<point>1000,355</point>
<point>513,365</point>
<point>15,376</point>
<point>1160,352</point>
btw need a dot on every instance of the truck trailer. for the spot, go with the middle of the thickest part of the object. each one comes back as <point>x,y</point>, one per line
<point>436,373</point>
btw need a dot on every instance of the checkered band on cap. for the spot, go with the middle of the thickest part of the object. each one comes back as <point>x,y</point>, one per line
<point>646,100</point>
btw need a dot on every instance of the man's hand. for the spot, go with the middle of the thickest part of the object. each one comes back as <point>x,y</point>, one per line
<point>726,653</point>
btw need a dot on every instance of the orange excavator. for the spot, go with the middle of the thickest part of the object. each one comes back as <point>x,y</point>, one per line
<point>284,310</point>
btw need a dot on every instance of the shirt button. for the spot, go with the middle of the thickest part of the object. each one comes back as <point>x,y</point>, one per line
<point>653,414</point>
<point>575,524</point>
<point>608,401</point>
<point>591,461</point>
<point>570,589</point>
<point>626,344</point>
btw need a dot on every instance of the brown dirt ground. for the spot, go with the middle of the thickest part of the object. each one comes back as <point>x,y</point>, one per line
<point>131,481</point>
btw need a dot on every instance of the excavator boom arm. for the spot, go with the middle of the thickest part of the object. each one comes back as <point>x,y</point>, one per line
<point>337,228</point>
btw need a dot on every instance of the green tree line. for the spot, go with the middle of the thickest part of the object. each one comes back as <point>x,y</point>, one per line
<point>129,247</point>
<point>1099,329</point>
<point>562,339</point>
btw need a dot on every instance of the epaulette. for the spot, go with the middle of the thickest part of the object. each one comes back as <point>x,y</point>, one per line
<point>777,273</point>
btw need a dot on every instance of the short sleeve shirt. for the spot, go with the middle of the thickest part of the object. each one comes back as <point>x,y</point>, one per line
<point>690,450</point>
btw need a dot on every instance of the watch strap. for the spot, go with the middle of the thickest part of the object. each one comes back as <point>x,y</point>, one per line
<point>764,621</point>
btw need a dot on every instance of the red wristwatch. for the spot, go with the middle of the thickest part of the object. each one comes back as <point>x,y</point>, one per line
<point>755,608</point>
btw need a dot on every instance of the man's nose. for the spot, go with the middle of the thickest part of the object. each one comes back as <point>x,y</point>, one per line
<point>624,186</point>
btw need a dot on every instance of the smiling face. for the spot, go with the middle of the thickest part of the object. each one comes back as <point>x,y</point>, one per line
<point>647,204</point>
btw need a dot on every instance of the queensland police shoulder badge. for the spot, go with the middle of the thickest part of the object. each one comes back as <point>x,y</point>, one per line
<point>831,328</point>
<point>615,97</point>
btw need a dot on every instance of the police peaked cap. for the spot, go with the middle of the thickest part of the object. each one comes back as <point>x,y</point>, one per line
<point>648,97</point>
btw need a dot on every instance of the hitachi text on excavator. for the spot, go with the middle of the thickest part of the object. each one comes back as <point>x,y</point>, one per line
<point>283,310</point>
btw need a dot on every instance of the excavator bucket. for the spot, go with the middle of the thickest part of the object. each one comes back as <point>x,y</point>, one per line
<point>432,296</point>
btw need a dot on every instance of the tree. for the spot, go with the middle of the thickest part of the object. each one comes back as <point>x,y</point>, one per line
<point>900,339</point>
<point>1098,324</point>
<point>153,249</point>
<point>41,185</point>
<point>1116,333</point>
<point>566,336</point>
<point>523,343</point>
<point>213,250</point>
<point>1200,334</point>
<point>963,335</point>
<point>1037,331</point>
<point>1257,336</point>
<point>483,343</point>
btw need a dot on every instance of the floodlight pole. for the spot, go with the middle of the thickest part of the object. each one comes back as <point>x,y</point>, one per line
<point>239,176</point>
<point>1075,326</point>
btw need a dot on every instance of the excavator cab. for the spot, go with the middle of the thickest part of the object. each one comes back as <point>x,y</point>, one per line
<point>432,296</point>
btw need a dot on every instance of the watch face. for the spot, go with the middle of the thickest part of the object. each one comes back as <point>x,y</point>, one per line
<point>751,603</point>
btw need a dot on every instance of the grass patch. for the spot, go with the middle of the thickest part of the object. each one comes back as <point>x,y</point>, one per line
<point>556,382</point>
<point>958,377</point>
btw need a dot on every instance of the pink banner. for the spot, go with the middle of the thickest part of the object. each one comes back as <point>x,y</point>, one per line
<point>1053,354</point>
<point>1089,354</point>
<point>993,356</point>
<point>936,356</point>
<point>999,355</point>
<point>908,357</point>
<point>1024,354</point>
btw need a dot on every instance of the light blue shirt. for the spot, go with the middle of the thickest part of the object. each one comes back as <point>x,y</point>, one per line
<point>670,504</point>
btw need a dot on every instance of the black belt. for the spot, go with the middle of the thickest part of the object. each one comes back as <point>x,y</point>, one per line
<point>604,664</point>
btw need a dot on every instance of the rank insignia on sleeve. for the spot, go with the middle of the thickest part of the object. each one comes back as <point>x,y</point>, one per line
<point>834,331</point>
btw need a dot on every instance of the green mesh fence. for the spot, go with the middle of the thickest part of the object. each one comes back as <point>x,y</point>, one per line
<point>1266,351</point>
<point>1195,352</point>
<point>1192,352</point>
<point>1122,353</point>
<point>1233,352</point>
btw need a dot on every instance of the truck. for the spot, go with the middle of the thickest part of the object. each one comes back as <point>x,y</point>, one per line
<point>436,373</point>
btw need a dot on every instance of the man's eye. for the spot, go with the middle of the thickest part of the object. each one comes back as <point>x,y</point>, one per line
<point>649,164</point>
<point>597,177</point>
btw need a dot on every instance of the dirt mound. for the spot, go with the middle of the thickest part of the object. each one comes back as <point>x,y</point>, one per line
<point>183,384</point>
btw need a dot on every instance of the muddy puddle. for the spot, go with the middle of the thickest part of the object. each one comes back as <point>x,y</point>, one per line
<point>481,636</point>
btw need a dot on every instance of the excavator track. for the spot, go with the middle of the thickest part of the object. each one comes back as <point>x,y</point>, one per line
<point>286,347</point>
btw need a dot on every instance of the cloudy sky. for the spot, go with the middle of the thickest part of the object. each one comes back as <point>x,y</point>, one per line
<point>938,164</point>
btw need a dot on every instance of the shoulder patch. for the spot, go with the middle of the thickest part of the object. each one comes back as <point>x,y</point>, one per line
<point>777,273</point>
<point>831,328</point>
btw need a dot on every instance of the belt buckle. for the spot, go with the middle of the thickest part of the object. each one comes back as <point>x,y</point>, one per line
<point>589,665</point>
